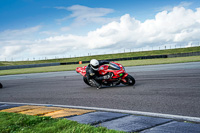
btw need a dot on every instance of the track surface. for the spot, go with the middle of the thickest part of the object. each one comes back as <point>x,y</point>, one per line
<point>169,89</point>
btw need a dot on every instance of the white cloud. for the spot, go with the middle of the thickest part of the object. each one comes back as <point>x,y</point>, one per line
<point>85,15</point>
<point>13,43</point>
<point>11,50</point>
<point>15,51</point>
<point>184,4</point>
<point>65,29</point>
<point>48,33</point>
<point>178,26</point>
<point>16,34</point>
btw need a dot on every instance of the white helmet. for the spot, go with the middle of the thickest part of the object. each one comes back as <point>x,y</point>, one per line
<point>94,64</point>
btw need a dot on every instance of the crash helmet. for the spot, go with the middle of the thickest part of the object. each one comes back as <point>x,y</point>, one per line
<point>94,64</point>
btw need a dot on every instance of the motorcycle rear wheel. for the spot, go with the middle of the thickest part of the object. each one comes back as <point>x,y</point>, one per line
<point>129,80</point>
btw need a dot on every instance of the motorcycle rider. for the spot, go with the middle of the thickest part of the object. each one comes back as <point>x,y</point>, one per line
<point>93,76</point>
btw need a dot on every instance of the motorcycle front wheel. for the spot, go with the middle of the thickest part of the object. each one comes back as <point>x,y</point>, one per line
<point>86,81</point>
<point>129,80</point>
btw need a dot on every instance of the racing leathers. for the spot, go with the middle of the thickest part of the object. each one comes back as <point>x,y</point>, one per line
<point>93,77</point>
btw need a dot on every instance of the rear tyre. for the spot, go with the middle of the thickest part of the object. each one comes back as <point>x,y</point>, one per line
<point>86,81</point>
<point>129,80</point>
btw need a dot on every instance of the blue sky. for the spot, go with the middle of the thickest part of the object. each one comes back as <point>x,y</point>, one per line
<point>62,28</point>
<point>18,14</point>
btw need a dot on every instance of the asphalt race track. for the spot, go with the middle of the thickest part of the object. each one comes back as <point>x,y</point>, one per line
<point>168,89</point>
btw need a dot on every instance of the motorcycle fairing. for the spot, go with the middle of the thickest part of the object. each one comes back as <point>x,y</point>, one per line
<point>118,70</point>
<point>81,70</point>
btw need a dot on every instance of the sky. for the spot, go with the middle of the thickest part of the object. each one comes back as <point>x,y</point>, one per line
<point>48,29</point>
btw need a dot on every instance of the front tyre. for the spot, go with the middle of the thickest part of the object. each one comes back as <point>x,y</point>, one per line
<point>86,81</point>
<point>129,80</point>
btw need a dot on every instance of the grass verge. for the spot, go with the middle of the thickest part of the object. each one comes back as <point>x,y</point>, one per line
<point>19,123</point>
<point>106,56</point>
<point>125,63</point>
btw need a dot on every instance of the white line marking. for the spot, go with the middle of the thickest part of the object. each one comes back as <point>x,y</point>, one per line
<point>168,116</point>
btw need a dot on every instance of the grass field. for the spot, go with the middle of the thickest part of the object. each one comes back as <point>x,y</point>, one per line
<point>19,123</point>
<point>125,63</point>
<point>107,56</point>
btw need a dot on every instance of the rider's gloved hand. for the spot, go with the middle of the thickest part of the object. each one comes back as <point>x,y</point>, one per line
<point>109,76</point>
<point>106,77</point>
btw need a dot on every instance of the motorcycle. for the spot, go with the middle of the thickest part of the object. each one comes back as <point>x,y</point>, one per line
<point>117,71</point>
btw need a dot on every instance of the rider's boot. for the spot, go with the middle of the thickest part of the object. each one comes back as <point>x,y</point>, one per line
<point>99,87</point>
<point>95,83</point>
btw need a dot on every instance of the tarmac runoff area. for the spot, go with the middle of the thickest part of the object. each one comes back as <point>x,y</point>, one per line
<point>121,120</point>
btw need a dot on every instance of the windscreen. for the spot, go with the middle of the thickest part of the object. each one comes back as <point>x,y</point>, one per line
<point>114,66</point>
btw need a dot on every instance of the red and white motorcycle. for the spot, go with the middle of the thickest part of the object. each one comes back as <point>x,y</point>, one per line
<point>117,71</point>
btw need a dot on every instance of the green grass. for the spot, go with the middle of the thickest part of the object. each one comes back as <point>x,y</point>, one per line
<point>160,61</point>
<point>107,56</point>
<point>125,63</point>
<point>19,123</point>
